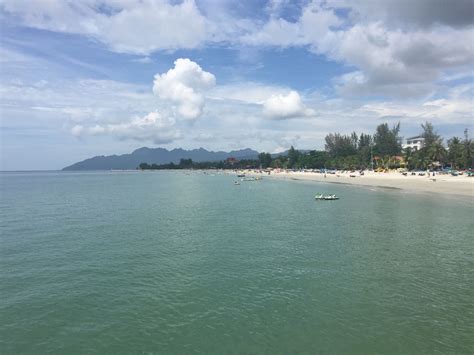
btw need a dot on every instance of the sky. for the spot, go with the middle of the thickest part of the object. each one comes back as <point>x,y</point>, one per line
<point>100,77</point>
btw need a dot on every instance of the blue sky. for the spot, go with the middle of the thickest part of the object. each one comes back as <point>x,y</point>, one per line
<point>95,77</point>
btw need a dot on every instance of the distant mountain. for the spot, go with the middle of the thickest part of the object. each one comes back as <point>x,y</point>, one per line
<point>157,156</point>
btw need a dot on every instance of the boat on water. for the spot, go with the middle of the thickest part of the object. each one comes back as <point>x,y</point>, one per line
<point>240,175</point>
<point>236,183</point>
<point>326,197</point>
<point>248,179</point>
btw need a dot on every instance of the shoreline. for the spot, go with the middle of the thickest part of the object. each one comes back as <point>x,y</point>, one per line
<point>455,186</point>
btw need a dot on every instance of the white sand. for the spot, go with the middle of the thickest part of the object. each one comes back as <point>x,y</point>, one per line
<point>444,184</point>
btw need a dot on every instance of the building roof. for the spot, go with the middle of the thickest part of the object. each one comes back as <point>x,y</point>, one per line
<point>416,137</point>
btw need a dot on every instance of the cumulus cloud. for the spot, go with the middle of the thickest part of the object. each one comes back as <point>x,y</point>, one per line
<point>104,107</point>
<point>184,85</point>
<point>395,64</point>
<point>154,127</point>
<point>139,27</point>
<point>423,13</point>
<point>286,106</point>
<point>313,24</point>
<point>392,61</point>
<point>399,48</point>
<point>277,32</point>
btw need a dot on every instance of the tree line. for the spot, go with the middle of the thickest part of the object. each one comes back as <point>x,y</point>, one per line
<point>380,150</point>
<point>190,164</point>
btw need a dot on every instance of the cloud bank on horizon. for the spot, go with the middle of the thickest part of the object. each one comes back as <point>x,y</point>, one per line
<point>94,75</point>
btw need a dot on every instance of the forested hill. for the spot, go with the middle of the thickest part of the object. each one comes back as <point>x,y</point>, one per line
<point>158,156</point>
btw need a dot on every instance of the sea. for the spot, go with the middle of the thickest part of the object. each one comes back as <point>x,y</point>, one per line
<point>184,262</point>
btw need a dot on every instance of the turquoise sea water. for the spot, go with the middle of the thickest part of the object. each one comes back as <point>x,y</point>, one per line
<point>164,262</point>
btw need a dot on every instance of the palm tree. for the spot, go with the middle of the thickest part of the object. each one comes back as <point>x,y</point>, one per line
<point>436,152</point>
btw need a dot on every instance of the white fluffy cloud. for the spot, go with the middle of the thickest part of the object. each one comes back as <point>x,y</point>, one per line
<point>152,127</point>
<point>276,32</point>
<point>286,106</point>
<point>397,48</point>
<point>184,85</point>
<point>127,26</point>
<point>391,61</point>
<point>394,64</point>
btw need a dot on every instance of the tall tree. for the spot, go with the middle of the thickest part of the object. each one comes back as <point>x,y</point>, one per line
<point>436,152</point>
<point>468,150</point>
<point>365,140</point>
<point>433,150</point>
<point>364,149</point>
<point>265,159</point>
<point>430,135</point>
<point>386,140</point>
<point>293,156</point>
<point>341,145</point>
<point>455,153</point>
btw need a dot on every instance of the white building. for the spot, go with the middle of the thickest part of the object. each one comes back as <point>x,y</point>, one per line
<point>415,143</point>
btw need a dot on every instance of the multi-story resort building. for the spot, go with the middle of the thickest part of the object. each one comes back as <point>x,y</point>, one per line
<point>415,143</point>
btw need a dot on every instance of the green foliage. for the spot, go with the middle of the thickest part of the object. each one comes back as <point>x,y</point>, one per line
<point>338,145</point>
<point>459,154</point>
<point>293,156</point>
<point>265,160</point>
<point>436,152</point>
<point>387,141</point>
<point>455,153</point>
<point>410,158</point>
<point>350,152</point>
<point>186,163</point>
<point>349,162</point>
<point>433,150</point>
<point>278,163</point>
<point>364,150</point>
<point>432,138</point>
<point>189,164</point>
<point>313,160</point>
<point>468,151</point>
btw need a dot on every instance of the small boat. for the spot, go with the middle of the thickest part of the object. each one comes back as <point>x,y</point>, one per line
<point>236,183</point>
<point>248,179</point>
<point>240,175</point>
<point>326,197</point>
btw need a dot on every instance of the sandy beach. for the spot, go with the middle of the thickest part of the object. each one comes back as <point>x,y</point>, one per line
<point>443,184</point>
